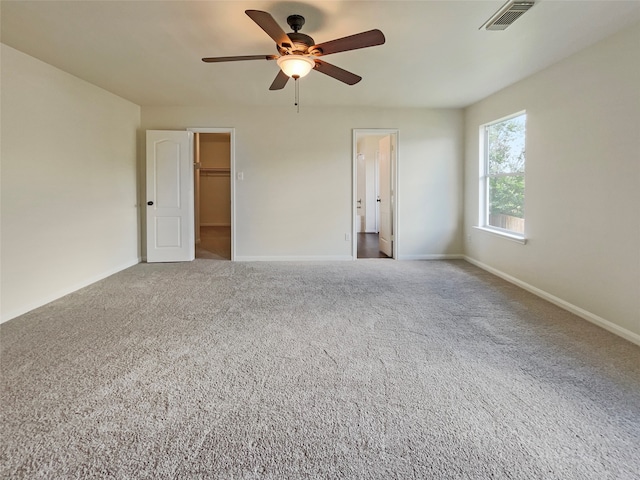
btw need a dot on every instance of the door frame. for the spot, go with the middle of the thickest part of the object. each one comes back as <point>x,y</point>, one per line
<point>232,176</point>
<point>359,132</point>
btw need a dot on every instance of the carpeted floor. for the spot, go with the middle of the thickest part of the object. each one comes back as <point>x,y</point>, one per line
<point>368,369</point>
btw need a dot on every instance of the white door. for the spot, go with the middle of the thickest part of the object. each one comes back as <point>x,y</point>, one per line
<point>384,197</point>
<point>170,197</point>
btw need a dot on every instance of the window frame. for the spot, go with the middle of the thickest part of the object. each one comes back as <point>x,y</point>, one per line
<point>485,177</point>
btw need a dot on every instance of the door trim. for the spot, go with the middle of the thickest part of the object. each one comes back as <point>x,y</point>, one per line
<point>394,185</point>
<point>232,176</point>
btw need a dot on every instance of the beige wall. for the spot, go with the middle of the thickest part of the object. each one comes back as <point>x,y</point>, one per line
<point>215,200</point>
<point>582,183</point>
<point>215,150</point>
<point>69,209</point>
<point>295,199</point>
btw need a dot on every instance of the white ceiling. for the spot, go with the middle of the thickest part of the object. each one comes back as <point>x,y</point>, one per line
<point>435,56</point>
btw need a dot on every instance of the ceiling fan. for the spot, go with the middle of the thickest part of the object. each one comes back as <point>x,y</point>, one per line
<point>298,53</point>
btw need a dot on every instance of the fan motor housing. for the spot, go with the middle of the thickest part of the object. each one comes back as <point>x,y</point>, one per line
<point>301,43</point>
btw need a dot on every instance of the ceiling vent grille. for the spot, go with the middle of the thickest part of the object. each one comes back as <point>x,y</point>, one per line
<point>508,14</point>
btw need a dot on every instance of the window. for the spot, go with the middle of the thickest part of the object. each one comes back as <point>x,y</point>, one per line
<point>502,176</point>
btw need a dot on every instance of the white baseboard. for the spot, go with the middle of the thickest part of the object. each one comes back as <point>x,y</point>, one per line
<point>66,291</point>
<point>582,313</point>
<point>325,258</point>
<point>453,256</point>
<point>292,258</point>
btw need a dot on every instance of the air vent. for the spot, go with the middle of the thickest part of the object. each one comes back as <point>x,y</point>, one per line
<point>508,14</point>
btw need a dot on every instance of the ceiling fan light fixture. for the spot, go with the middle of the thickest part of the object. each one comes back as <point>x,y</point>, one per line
<point>295,65</point>
<point>298,52</point>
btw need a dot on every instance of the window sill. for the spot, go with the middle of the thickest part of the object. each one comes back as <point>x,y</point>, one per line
<point>503,234</point>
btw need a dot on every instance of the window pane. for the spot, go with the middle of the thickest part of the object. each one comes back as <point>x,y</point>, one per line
<point>506,149</point>
<point>506,203</point>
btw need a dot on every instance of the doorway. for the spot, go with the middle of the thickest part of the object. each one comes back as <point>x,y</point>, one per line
<point>375,193</point>
<point>213,154</point>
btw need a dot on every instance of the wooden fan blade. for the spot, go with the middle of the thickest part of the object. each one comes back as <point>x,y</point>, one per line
<point>352,42</point>
<point>235,59</point>
<point>280,81</point>
<point>337,72</point>
<point>266,22</point>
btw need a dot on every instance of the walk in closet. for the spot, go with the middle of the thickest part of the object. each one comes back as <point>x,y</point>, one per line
<point>213,195</point>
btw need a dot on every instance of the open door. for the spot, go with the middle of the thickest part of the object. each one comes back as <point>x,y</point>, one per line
<point>170,196</point>
<point>385,238</point>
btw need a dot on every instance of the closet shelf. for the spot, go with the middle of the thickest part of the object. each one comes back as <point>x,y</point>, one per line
<point>214,171</point>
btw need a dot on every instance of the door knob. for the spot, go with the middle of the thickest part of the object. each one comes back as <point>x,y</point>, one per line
<point>377,200</point>
<point>150,203</point>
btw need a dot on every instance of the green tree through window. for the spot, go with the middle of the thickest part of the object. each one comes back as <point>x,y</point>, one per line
<point>504,174</point>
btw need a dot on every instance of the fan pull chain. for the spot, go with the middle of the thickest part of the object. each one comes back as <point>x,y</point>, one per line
<point>297,99</point>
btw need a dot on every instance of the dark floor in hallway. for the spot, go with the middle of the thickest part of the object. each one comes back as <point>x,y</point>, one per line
<point>368,246</point>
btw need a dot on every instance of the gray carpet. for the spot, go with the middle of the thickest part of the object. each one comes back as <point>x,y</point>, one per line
<point>368,369</point>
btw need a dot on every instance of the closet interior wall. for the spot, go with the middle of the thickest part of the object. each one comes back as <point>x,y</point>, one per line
<point>213,183</point>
